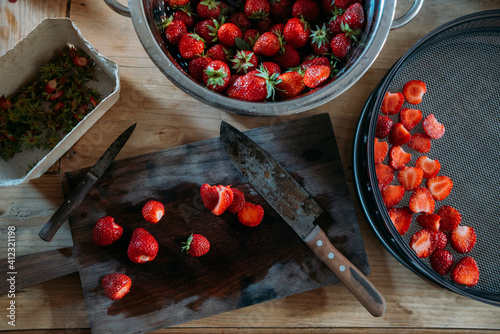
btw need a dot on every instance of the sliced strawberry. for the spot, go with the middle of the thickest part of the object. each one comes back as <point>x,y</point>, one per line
<point>116,286</point>
<point>392,103</point>
<point>413,91</point>
<point>392,195</point>
<point>423,242</point>
<point>420,142</point>
<point>398,158</point>
<point>209,196</point>
<point>384,126</point>
<point>441,261</point>
<point>410,177</point>
<point>410,117</point>
<point>428,166</point>
<point>421,201</point>
<point>440,186</point>
<point>429,221</point>
<point>466,272</point>
<point>399,135</point>
<point>153,211</point>
<point>106,231</point>
<point>432,127</point>
<point>463,239</point>
<point>225,198</point>
<point>401,218</point>
<point>441,239</point>
<point>450,218</point>
<point>251,214</point>
<point>380,148</point>
<point>385,175</point>
<point>238,201</point>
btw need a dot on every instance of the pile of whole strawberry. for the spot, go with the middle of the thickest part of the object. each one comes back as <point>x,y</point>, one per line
<point>398,125</point>
<point>261,50</point>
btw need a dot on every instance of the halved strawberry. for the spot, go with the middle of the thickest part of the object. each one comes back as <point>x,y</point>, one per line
<point>440,186</point>
<point>423,242</point>
<point>385,175</point>
<point>441,261</point>
<point>421,201</point>
<point>392,103</point>
<point>410,117</point>
<point>463,239</point>
<point>420,142</point>
<point>401,218</point>
<point>441,239</point>
<point>429,221</point>
<point>450,218</point>
<point>428,166</point>
<point>413,91</point>
<point>466,272</point>
<point>410,177</point>
<point>251,214</point>
<point>209,196</point>
<point>384,126</point>
<point>399,135</point>
<point>392,195</point>
<point>116,286</point>
<point>238,201</point>
<point>380,148</point>
<point>432,127</point>
<point>225,198</point>
<point>153,211</point>
<point>398,158</point>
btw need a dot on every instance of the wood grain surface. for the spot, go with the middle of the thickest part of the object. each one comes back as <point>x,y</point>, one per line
<point>166,118</point>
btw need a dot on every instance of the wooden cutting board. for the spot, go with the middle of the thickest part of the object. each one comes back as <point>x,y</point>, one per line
<point>244,266</point>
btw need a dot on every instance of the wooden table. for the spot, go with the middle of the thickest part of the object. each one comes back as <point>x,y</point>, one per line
<point>167,117</point>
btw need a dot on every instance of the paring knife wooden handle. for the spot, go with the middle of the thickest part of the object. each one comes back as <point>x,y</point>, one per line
<point>351,277</point>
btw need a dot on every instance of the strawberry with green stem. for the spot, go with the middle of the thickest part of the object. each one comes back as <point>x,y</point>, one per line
<point>228,33</point>
<point>216,75</point>
<point>257,10</point>
<point>196,245</point>
<point>244,61</point>
<point>173,29</point>
<point>296,32</point>
<point>191,45</point>
<point>207,30</point>
<point>257,85</point>
<point>208,9</point>
<point>268,44</point>
<point>320,40</point>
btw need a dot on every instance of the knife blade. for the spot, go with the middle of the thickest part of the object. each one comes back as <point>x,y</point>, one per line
<point>298,209</point>
<point>89,179</point>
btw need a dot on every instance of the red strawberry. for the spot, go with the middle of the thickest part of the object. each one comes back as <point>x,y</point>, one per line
<point>380,148</point>
<point>196,67</point>
<point>209,196</point>
<point>410,177</point>
<point>423,242</point>
<point>238,201</point>
<point>450,218</point>
<point>220,52</point>
<point>399,135</point>
<point>413,91</point>
<point>228,33</point>
<point>196,245</point>
<point>153,211</point>
<point>296,32</point>
<point>207,31</point>
<point>251,214</point>
<point>80,61</point>
<point>421,201</point>
<point>316,75</point>
<point>256,85</point>
<point>224,200</point>
<point>174,30</point>
<point>334,24</point>
<point>354,17</point>
<point>271,68</point>
<point>278,28</point>
<point>344,4</point>
<point>290,84</point>
<point>50,87</point>
<point>143,247</point>
<point>281,10</point>
<point>392,103</point>
<point>306,9</point>
<point>429,221</point>
<point>320,40</point>
<point>384,126</point>
<point>385,175</point>
<point>268,44</point>
<point>392,195</point>
<point>401,218</point>
<point>466,272</point>
<point>428,166</point>
<point>340,45</point>
<point>441,261</point>
<point>314,61</point>
<point>441,239</point>
<point>190,46</point>
<point>177,3</point>
<point>398,158</point>
<point>185,15</point>
<point>244,61</point>
<point>216,76</point>
<point>420,142</point>
<point>251,36</point>
<point>410,117</point>
<point>116,286</point>
<point>288,58</point>
<point>463,239</point>
<point>241,20</point>
<point>106,231</point>
<point>440,186</point>
<point>257,9</point>
<point>432,127</point>
<point>208,9</point>
<point>264,25</point>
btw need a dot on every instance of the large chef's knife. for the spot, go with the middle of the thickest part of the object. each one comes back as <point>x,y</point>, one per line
<point>298,209</point>
<point>78,194</point>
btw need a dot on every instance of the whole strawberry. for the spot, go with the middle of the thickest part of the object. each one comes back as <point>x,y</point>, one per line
<point>354,17</point>
<point>228,33</point>
<point>316,75</point>
<point>116,286</point>
<point>244,61</point>
<point>196,245</point>
<point>216,76</point>
<point>296,32</point>
<point>335,21</point>
<point>185,15</point>
<point>271,68</point>
<point>241,20</point>
<point>143,247</point>
<point>220,52</point>
<point>287,58</point>
<point>257,9</point>
<point>153,211</point>
<point>207,31</point>
<point>191,45</point>
<point>340,45</point>
<point>106,231</point>
<point>314,61</point>
<point>306,9</point>
<point>174,30</point>
<point>290,84</point>
<point>320,40</point>
<point>196,67</point>
<point>256,86</point>
<point>208,9</point>
<point>177,3</point>
<point>268,44</point>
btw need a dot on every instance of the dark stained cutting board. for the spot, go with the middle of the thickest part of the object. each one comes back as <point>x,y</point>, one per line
<point>244,266</point>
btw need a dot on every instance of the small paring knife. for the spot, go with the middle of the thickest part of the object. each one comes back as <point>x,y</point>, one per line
<point>292,202</point>
<point>78,194</point>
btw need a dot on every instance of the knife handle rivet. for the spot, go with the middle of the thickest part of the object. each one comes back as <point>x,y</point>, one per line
<point>331,255</point>
<point>342,268</point>
<point>319,243</point>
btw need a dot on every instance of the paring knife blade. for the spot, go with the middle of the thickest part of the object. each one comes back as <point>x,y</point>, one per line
<point>78,194</point>
<point>292,202</point>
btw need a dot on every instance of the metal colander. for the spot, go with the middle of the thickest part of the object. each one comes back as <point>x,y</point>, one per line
<point>460,64</point>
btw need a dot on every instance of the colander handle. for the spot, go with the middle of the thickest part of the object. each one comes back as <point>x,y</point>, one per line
<point>410,15</point>
<point>118,7</point>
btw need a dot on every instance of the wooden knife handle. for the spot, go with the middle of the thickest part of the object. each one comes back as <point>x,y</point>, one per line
<point>353,279</point>
<point>72,202</point>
